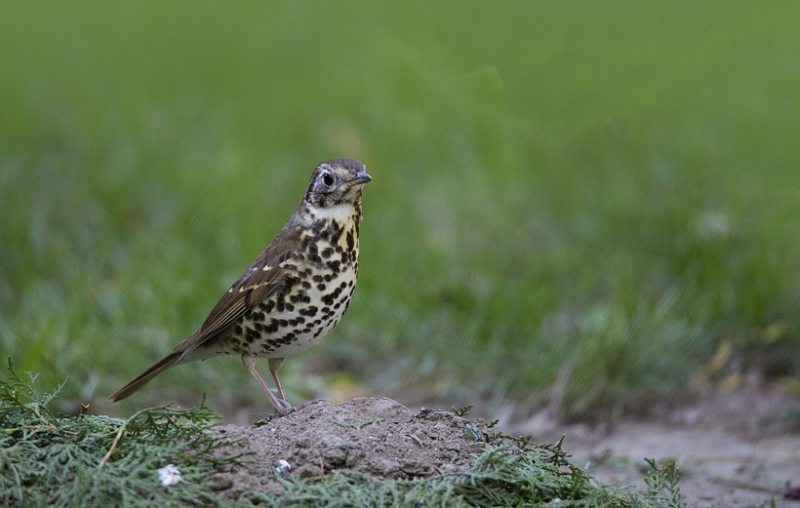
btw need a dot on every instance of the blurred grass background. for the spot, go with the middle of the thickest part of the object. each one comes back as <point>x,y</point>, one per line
<point>610,191</point>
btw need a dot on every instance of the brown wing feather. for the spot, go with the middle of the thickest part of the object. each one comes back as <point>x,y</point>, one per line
<point>253,287</point>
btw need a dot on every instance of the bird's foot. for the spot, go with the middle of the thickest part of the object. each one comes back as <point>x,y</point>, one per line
<point>283,407</point>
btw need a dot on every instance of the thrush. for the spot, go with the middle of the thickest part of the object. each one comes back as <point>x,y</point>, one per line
<point>295,291</point>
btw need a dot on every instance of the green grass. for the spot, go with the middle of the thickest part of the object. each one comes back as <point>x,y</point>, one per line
<point>611,188</point>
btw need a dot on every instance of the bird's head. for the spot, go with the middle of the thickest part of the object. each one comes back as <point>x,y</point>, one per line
<point>336,182</point>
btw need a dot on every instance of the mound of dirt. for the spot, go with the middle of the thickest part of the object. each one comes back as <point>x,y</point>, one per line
<point>376,436</point>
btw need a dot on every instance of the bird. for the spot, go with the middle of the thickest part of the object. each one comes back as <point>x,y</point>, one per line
<point>295,291</point>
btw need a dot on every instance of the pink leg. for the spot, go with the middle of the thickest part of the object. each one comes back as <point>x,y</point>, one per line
<point>282,407</point>
<point>274,365</point>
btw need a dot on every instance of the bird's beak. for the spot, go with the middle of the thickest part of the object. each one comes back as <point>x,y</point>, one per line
<point>360,179</point>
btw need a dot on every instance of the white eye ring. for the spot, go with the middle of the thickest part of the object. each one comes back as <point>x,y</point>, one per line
<point>327,179</point>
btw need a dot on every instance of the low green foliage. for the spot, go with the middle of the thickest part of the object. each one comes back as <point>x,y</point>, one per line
<point>50,460</point>
<point>498,477</point>
<point>90,460</point>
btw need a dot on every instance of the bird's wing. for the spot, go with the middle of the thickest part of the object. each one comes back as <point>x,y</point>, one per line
<point>265,277</point>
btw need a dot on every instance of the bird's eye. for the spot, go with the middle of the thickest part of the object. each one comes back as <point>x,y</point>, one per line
<point>327,179</point>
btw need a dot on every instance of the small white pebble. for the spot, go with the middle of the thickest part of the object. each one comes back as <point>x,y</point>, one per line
<point>282,467</point>
<point>169,475</point>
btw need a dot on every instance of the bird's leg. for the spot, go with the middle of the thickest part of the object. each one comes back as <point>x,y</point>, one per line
<point>274,365</point>
<point>282,406</point>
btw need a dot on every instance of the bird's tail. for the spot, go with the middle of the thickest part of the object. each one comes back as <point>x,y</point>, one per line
<point>142,379</point>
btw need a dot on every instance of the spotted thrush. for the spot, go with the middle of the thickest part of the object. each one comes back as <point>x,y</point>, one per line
<point>295,291</point>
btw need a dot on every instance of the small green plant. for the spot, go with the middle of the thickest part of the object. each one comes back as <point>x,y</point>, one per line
<point>662,483</point>
<point>500,477</point>
<point>462,412</point>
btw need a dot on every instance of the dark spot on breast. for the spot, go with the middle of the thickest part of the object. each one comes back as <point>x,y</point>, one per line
<point>336,231</point>
<point>272,327</point>
<point>287,339</point>
<point>333,295</point>
<point>320,228</point>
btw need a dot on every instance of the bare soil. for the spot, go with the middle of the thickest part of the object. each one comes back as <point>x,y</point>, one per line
<point>734,449</point>
<point>376,436</point>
